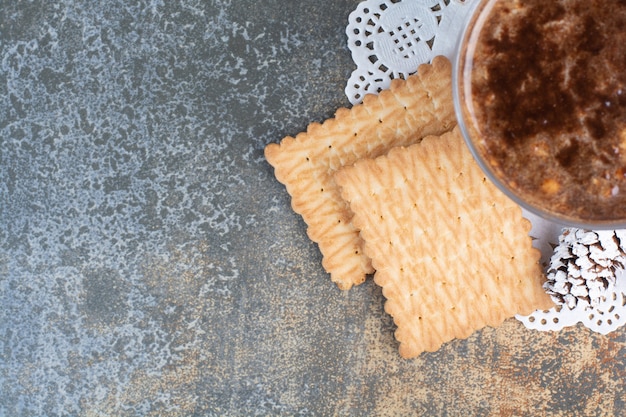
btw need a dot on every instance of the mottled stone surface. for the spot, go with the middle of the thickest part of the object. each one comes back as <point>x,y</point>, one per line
<point>150,264</point>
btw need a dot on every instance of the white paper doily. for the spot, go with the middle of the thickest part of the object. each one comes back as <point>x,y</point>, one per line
<point>389,39</point>
<point>602,318</point>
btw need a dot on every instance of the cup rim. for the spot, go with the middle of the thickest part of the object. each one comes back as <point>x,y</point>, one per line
<point>478,7</point>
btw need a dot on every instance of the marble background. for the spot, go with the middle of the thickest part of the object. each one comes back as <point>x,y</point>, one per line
<point>150,263</point>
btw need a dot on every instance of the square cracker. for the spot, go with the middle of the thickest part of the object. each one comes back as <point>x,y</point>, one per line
<point>400,116</point>
<point>451,251</point>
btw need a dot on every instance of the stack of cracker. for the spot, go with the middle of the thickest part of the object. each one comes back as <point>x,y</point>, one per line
<point>389,186</point>
<point>408,111</point>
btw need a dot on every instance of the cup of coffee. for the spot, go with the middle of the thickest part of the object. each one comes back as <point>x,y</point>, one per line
<point>540,95</point>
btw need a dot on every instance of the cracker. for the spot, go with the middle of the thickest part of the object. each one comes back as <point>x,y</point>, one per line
<point>451,251</point>
<point>402,115</point>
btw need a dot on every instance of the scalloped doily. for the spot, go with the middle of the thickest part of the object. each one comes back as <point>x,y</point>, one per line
<point>603,318</point>
<point>389,39</point>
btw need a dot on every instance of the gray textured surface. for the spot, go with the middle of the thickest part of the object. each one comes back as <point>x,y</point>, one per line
<point>150,263</point>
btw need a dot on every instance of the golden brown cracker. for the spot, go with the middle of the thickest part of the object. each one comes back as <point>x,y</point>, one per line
<point>402,115</point>
<point>450,250</point>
